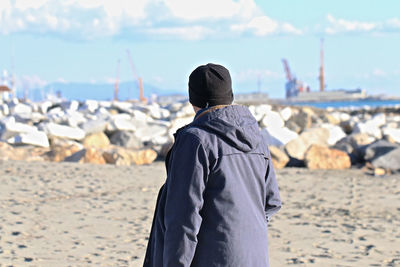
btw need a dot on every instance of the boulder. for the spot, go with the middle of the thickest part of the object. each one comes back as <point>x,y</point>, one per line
<point>291,125</point>
<point>279,157</point>
<point>94,126</point>
<point>60,152</point>
<point>335,133</point>
<point>369,128</point>
<point>74,118</point>
<point>44,106</point>
<point>5,109</point>
<point>389,161</point>
<point>278,136</point>
<point>29,118</point>
<point>154,133</point>
<point>378,149</point>
<point>90,106</point>
<point>286,113</point>
<point>36,138</point>
<point>96,140</point>
<point>301,119</point>
<point>63,131</point>
<point>323,157</point>
<point>158,113</point>
<point>297,148</point>
<point>126,139</point>
<point>9,128</point>
<point>272,119</point>
<point>178,123</point>
<point>392,134</point>
<point>87,155</point>
<point>121,122</point>
<point>21,108</point>
<point>340,116</point>
<point>126,157</point>
<point>328,118</point>
<point>355,145</point>
<point>70,105</point>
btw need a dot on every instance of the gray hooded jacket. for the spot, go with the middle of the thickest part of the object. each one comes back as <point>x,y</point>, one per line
<point>218,196</point>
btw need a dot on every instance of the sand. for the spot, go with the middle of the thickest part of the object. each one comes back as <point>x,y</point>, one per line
<point>66,214</point>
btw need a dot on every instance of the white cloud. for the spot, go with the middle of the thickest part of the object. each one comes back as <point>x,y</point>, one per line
<point>378,73</point>
<point>185,33</point>
<point>183,19</point>
<point>263,25</point>
<point>342,26</point>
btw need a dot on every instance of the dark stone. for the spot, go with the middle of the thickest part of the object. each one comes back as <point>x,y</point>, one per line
<point>390,160</point>
<point>293,162</point>
<point>378,149</point>
<point>126,139</point>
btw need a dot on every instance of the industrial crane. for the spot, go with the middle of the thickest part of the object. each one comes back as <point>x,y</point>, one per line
<point>116,85</point>
<point>135,76</point>
<point>321,77</point>
<point>293,86</point>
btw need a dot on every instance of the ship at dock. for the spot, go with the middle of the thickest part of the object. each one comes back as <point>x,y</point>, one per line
<point>299,92</point>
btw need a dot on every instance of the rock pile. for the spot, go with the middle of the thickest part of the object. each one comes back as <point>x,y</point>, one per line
<point>125,133</point>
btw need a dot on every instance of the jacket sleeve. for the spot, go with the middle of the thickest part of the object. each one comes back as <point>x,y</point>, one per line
<point>185,183</point>
<point>273,200</point>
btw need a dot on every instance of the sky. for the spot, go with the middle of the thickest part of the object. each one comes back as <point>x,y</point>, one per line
<point>71,41</point>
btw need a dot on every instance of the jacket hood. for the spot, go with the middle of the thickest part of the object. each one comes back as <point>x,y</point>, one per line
<point>234,124</point>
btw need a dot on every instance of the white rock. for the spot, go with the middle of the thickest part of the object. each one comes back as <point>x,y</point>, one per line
<point>90,105</point>
<point>140,116</point>
<point>369,128</point>
<point>94,126</point>
<point>262,110</point>
<point>335,133</point>
<point>57,130</point>
<point>158,113</point>
<point>33,117</point>
<point>178,123</point>
<point>257,116</point>
<point>105,104</point>
<point>121,122</point>
<point>123,106</point>
<point>393,133</point>
<point>56,111</point>
<point>278,136</point>
<point>175,107</point>
<point>9,128</point>
<point>4,108</point>
<point>44,106</point>
<point>154,132</point>
<point>272,119</point>
<point>70,105</point>
<point>21,108</point>
<point>36,138</point>
<point>340,116</point>
<point>74,118</point>
<point>103,112</point>
<point>185,111</point>
<point>378,120</point>
<point>286,113</point>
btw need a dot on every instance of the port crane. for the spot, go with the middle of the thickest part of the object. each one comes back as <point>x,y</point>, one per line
<point>116,85</point>
<point>293,86</point>
<point>136,77</point>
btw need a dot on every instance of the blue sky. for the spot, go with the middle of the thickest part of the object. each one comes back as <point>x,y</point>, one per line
<point>81,41</point>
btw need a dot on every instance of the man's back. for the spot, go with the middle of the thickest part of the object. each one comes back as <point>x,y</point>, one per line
<point>233,226</point>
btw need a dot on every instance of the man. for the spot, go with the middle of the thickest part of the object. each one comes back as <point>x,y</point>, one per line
<point>220,189</point>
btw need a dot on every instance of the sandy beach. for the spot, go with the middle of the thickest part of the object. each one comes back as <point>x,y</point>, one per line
<point>68,214</point>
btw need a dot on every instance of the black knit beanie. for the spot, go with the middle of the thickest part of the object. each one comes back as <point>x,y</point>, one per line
<point>210,85</point>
